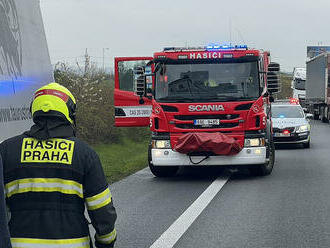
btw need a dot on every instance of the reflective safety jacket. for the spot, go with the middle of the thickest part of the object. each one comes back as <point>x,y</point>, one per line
<point>47,184</point>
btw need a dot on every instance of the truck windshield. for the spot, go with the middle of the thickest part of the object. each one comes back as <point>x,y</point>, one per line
<point>299,84</point>
<point>207,82</point>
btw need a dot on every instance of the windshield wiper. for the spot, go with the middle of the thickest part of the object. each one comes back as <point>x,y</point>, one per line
<point>186,78</point>
<point>176,98</point>
<point>226,98</point>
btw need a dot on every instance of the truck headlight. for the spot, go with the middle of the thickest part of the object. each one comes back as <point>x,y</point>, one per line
<point>161,144</point>
<point>254,142</point>
<point>302,129</point>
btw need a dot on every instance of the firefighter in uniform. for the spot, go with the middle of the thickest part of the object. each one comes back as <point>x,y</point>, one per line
<point>4,233</point>
<point>50,176</point>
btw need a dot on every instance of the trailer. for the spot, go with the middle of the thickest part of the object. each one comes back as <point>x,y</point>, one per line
<point>24,63</point>
<point>318,87</point>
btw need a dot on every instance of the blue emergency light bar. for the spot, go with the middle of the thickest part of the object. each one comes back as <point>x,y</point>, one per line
<point>225,47</point>
<point>211,47</point>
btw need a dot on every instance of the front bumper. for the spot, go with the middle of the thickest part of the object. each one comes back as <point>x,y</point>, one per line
<point>248,156</point>
<point>295,138</point>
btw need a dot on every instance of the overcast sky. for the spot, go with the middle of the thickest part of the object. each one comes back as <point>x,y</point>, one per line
<point>142,27</point>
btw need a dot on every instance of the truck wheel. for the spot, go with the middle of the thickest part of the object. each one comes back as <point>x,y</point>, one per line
<point>266,168</point>
<point>315,110</point>
<point>161,171</point>
<point>325,114</point>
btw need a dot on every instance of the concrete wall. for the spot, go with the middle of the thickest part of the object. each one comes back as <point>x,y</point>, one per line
<point>24,63</point>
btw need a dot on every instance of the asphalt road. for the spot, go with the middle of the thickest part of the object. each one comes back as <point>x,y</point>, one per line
<point>289,208</point>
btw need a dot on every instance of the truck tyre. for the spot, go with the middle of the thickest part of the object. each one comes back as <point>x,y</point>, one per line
<point>161,171</point>
<point>266,168</point>
<point>317,112</point>
<point>321,113</point>
<point>324,114</point>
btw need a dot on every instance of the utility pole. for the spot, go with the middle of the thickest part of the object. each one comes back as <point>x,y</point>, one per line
<point>230,29</point>
<point>87,61</point>
<point>103,49</point>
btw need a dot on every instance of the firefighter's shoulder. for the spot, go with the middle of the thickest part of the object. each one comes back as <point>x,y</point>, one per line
<point>11,144</point>
<point>81,147</point>
<point>84,153</point>
<point>12,140</point>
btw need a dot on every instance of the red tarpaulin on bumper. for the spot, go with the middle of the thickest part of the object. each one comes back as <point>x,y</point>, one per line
<point>217,143</point>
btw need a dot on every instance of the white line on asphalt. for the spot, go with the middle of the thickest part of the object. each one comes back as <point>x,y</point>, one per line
<point>169,238</point>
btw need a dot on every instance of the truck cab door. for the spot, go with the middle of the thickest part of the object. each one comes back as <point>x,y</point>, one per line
<point>128,110</point>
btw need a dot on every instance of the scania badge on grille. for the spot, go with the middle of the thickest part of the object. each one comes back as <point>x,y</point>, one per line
<point>198,108</point>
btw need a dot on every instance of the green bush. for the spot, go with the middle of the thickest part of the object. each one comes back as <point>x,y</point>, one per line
<point>286,91</point>
<point>95,106</point>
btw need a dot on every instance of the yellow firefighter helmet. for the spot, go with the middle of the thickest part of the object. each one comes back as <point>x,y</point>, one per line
<point>54,100</point>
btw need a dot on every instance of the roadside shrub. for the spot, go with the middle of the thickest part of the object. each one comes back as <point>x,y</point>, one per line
<point>93,91</point>
<point>286,90</point>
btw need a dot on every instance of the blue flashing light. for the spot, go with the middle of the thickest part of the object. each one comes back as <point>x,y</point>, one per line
<point>6,88</point>
<point>10,87</point>
<point>241,46</point>
<point>224,47</point>
<point>282,116</point>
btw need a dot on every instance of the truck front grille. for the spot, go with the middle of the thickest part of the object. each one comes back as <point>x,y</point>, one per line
<point>222,125</point>
<point>280,130</point>
<point>196,117</point>
<point>290,139</point>
<point>226,121</point>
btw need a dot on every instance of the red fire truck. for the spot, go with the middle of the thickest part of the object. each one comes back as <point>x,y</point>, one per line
<point>206,106</point>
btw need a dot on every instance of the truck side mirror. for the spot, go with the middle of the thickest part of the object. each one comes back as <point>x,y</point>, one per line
<point>274,67</point>
<point>273,79</point>
<point>139,81</point>
<point>273,82</point>
<point>309,116</point>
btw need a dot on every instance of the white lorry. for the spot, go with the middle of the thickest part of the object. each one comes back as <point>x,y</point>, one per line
<point>24,63</point>
<point>298,85</point>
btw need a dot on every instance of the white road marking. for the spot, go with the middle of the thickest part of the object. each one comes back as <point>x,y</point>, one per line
<point>169,238</point>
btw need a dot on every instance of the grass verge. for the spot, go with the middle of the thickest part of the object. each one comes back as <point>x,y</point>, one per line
<point>122,160</point>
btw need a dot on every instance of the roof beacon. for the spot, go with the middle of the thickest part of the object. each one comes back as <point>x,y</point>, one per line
<point>213,47</point>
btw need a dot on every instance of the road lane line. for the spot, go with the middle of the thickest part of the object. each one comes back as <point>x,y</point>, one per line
<point>169,238</point>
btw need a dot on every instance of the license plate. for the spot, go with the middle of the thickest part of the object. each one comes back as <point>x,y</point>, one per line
<point>207,122</point>
<point>282,134</point>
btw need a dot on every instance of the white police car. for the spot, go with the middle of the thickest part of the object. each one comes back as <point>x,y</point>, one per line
<point>290,124</point>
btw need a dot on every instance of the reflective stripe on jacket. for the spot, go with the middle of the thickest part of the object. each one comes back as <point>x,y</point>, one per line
<point>51,243</point>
